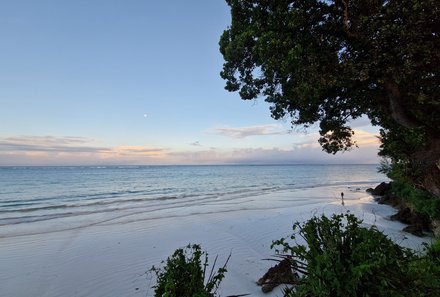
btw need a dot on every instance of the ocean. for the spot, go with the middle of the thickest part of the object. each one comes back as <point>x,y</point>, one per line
<point>43,199</point>
<point>96,231</point>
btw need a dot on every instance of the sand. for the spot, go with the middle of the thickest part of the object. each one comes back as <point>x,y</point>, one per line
<point>111,257</point>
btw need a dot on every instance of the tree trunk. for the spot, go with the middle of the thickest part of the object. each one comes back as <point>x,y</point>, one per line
<point>431,181</point>
<point>397,111</point>
<point>426,162</point>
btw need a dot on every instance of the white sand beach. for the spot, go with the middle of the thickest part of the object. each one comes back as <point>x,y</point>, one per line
<point>112,256</point>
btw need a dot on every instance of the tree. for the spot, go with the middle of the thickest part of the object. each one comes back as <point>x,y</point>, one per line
<point>334,61</point>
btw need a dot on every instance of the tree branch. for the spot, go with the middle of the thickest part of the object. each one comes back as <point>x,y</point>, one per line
<point>397,111</point>
<point>346,18</point>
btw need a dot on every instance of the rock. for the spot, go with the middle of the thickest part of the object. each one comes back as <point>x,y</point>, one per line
<point>383,200</point>
<point>390,199</point>
<point>279,274</point>
<point>369,190</point>
<point>415,229</point>
<point>416,221</point>
<point>404,215</point>
<point>381,189</point>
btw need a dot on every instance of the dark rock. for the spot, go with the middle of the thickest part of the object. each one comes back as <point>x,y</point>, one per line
<point>381,189</point>
<point>279,274</point>
<point>416,221</point>
<point>416,230</point>
<point>404,215</point>
<point>423,221</point>
<point>382,200</point>
<point>388,199</point>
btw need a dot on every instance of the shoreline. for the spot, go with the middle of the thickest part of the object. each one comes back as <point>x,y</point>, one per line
<point>111,259</point>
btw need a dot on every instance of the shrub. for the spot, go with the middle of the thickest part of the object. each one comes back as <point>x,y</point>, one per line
<point>341,258</point>
<point>184,274</point>
<point>423,202</point>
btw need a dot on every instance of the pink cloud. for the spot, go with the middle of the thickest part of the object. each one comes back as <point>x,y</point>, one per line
<point>51,150</point>
<point>242,132</point>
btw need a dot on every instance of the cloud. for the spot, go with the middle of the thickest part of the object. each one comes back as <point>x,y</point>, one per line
<point>305,149</point>
<point>305,155</point>
<point>48,144</point>
<point>301,154</point>
<point>48,140</point>
<point>51,150</point>
<point>195,143</point>
<point>242,132</point>
<point>364,138</point>
<point>135,149</point>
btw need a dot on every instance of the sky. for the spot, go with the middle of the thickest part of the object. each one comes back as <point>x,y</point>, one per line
<point>136,82</point>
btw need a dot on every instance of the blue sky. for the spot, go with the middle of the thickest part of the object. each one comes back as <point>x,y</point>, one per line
<point>135,82</point>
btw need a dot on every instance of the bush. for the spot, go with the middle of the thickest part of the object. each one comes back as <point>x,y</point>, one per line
<point>423,202</point>
<point>342,258</point>
<point>184,275</point>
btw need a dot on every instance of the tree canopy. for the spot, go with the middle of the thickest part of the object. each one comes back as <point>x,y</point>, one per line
<point>329,62</point>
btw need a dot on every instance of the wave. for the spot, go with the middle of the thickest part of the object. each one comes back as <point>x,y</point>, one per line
<point>21,214</point>
<point>71,197</point>
<point>116,197</point>
<point>148,203</point>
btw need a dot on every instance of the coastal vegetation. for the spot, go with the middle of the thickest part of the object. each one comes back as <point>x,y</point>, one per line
<point>337,256</point>
<point>184,274</point>
<point>330,62</point>
<point>421,207</point>
<point>324,257</point>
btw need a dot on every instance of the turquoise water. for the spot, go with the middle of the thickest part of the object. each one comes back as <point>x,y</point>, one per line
<point>35,194</point>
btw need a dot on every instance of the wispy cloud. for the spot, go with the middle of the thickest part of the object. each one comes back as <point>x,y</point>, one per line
<point>305,149</point>
<point>364,138</point>
<point>242,132</point>
<point>297,155</point>
<point>49,144</point>
<point>130,150</point>
<point>51,150</point>
<point>195,143</point>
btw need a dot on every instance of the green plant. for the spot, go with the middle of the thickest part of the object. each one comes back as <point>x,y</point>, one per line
<point>433,251</point>
<point>423,202</point>
<point>342,258</point>
<point>328,62</point>
<point>184,274</point>
<point>425,271</point>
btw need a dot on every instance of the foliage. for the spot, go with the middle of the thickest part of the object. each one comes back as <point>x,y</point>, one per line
<point>184,274</point>
<point>341,258</point>
<point>433,251</point>
<point>334,61</point>
<point>425,271</point>
<point>422,201</point>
